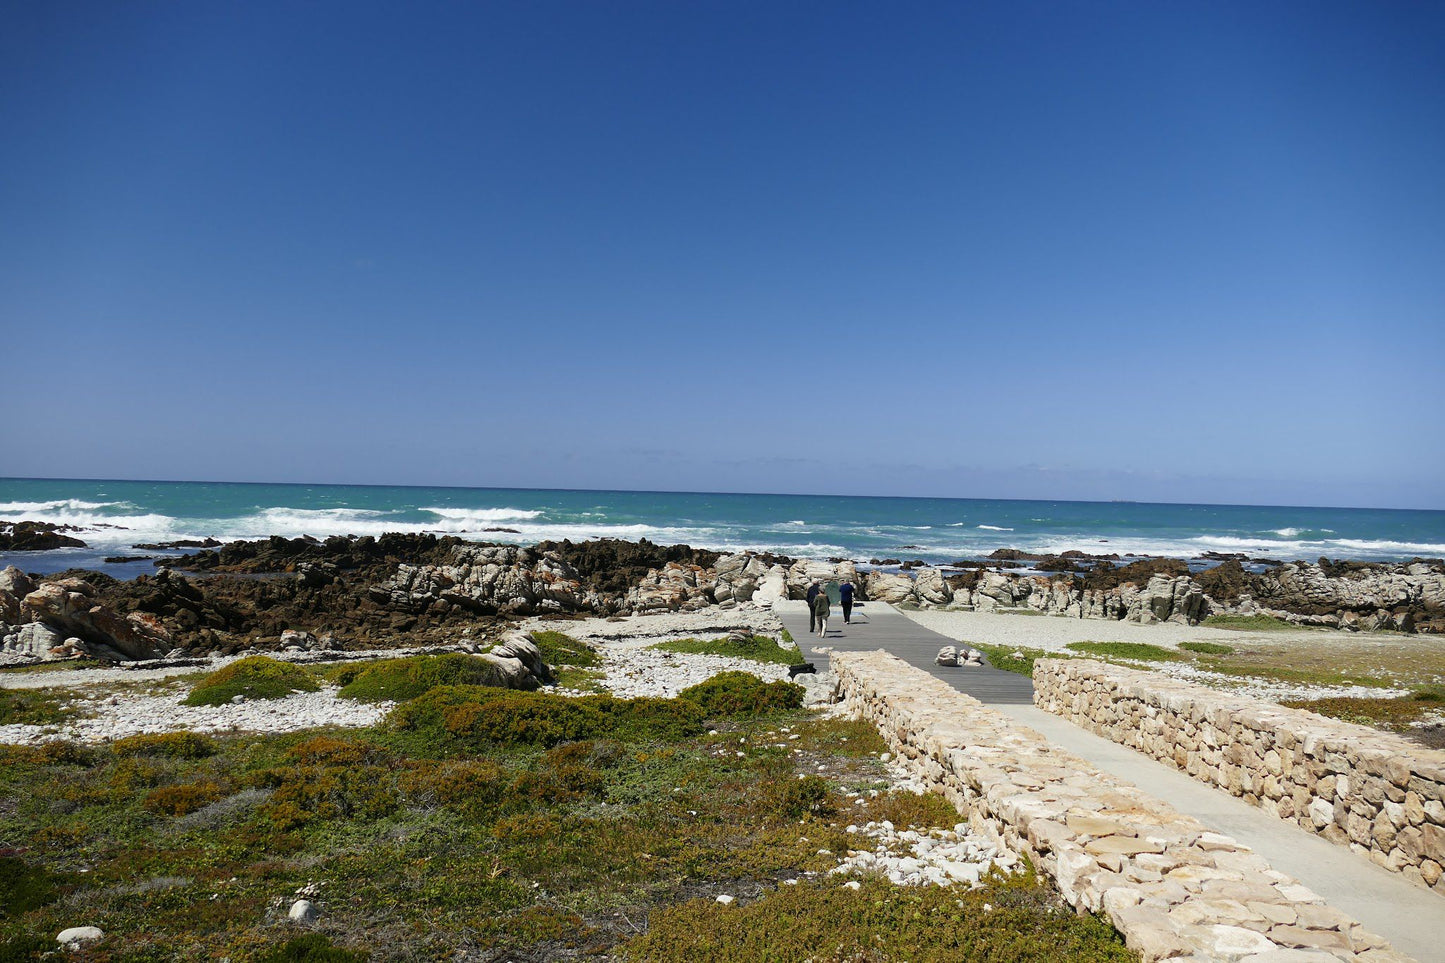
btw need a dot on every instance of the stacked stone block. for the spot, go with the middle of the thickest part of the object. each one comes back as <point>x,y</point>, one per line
<point>1377,793</point>
<point>1174,889</point>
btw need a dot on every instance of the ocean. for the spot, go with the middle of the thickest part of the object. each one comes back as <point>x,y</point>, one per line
<point>115,515</point>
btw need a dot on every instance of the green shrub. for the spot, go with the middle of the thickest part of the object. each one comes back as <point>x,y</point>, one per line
<point>1141,651</point>
<point>822,921</point>
<point>34,707</point>
<point>311,948</point>
<point>171,745</point>
<point>558,648</point>
<point>759,648</point>
<point>182,799</point>
<point>25,887</point>
<point>809,796</point>
<point>328,778</point>
<point>742,693</point>
<point>449,718</point>
<point>22,949</point>
<point>1003,656</point>
<point>402,679</point>
<point>256,677</point>
<point>1207,648</point>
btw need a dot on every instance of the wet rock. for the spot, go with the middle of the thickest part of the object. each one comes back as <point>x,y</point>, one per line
<point>36,537</point>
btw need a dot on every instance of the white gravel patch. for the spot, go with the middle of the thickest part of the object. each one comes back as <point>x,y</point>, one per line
<point>632,671</point>
<point>644,630</point>
<point>120,716</point>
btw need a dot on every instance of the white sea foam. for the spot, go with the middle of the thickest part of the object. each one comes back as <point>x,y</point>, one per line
<point>993,528</point>
<point>797,521</point>
<point>59,505</point>
<point>1287,532</point>
<point>477,516</point>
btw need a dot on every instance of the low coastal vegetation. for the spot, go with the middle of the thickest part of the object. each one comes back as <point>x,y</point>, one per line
<point>1398,714</point>
<point>256,677</point>
<point>401,679</point>
<point>1127,651</point>
<point>558,648</point>
<point>1207,648</point>
<point>759,648</point>
<point>497,824</point>
<point>36,707</point>
<point>1251,623</point>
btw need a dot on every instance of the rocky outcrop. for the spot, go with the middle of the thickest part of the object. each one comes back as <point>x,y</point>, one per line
<point>492,580</point>
<point>1408,597</point>
<point>70,607</point>
<point>36,537</point>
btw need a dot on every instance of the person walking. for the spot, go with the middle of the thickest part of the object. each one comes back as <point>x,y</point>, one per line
<point>845,595</point>
<point>811,595</point>
<point>820,613</point>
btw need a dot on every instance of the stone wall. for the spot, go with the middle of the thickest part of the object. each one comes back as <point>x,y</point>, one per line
<point>1377,793</point>
<point>1174,889</point>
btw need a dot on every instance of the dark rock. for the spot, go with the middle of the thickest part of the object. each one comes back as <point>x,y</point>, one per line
<point>36,537</point>
<point>612,565</point>
<point>182,543</point>
<point>118,559</point>
<point>1225,582</point>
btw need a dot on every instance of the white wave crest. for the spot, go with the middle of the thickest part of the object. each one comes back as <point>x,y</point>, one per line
<point>59,505</point>
<point>479,515</point>
<point>993,528</point>
<point>1287,532</point>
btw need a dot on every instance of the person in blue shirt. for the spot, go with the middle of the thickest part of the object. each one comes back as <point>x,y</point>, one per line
<point>845,594</point>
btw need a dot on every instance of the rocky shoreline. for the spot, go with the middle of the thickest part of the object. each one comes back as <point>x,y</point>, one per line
<point>393,591</point>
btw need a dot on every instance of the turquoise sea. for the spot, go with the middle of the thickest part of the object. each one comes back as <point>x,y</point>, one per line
<point>115,515</point>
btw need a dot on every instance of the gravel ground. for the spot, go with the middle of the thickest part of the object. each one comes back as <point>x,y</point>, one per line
<point>117,716</point>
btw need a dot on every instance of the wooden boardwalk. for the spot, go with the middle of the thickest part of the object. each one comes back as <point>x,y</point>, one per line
<point>877,625</point>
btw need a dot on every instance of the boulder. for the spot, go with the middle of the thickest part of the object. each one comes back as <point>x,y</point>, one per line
<point>947,656</point>
<point>14,586</point>
<point>77,936</point>
<point>519,647</point>
<point>930,587</point>
<point>69,606</point>
<point>34,640</point>
<point>772,586</point>
<point>885,587</point>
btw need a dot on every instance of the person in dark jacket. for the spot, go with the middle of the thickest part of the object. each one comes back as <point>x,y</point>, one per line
<point>810,596</point>
<point>821,607</point>
<point>845,595</point>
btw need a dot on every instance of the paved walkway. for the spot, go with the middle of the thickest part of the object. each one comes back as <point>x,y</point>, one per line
<point>1411,918</point>
<point>879,626</point>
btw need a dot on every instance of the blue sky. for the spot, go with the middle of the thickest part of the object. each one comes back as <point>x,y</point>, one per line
<point>1176,252</point>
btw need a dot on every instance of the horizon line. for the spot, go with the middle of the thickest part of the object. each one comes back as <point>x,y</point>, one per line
<point>666,491</point>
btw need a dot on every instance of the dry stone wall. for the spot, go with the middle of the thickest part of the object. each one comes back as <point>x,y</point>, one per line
<point>1174,889</point>
<point>1378,794</point>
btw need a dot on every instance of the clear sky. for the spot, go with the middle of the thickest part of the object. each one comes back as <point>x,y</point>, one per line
<point>1164,251</point>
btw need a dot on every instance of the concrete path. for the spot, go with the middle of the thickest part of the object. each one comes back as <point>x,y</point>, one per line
<point>876,625</point>
<point>1411,918</point>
